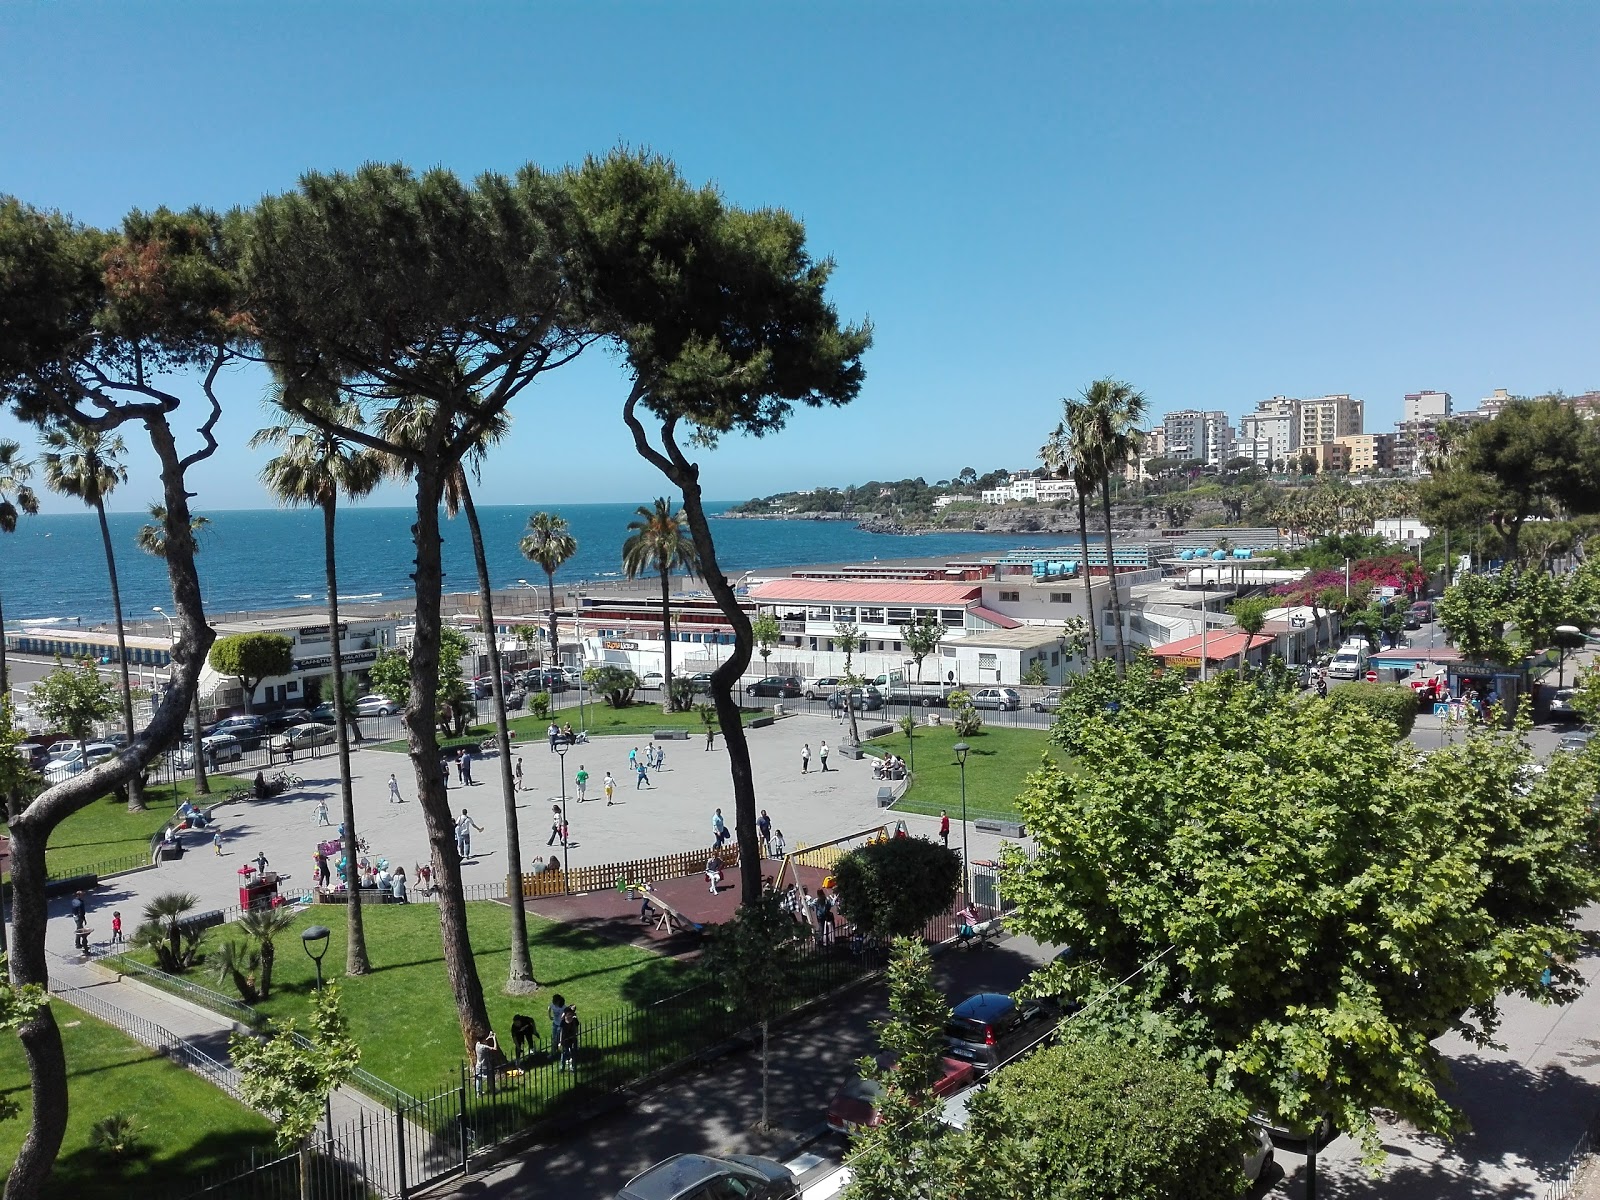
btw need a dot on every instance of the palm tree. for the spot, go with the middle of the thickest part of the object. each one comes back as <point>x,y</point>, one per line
<point>548,543</point>
<point>16,498</point>
<point>152,539</point>
<point>1063,458</point>
<point>85,464</point>
<point>660,542</point>
<point>262,925</point>
<point>313,468</point>
<point>1116,412</point>
<point>406,423</point>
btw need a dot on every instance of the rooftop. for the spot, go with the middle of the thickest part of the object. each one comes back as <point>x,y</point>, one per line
<point>844,591</point>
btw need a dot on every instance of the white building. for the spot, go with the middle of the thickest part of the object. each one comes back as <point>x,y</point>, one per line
<point>1026,487</point>
<point>1426,406</point>
<point>361,640</point>
<point>1192,434</point>
<point>1272,432</point>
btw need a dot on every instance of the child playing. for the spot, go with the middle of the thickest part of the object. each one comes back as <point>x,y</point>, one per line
<point>116,927</point>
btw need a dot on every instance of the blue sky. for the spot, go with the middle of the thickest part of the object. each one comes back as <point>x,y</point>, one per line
<point>1217,202</point>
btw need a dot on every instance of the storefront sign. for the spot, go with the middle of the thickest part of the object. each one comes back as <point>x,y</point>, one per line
<point>611,645</point>
<point>351,659</point>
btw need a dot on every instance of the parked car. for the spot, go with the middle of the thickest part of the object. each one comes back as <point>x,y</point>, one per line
<point>218,748</point>
<point>1575,742</point>
<point>867,699</point>
<point>1003,699</point>
<point>1048,702</point>
<point>701,1177</point>
<point>991,1028</point>
<point>821,689</point>
<point>651,681</point>
<point>376,706</point>
<point>700,683</point>
<point>1561,705</point>
<point>785,686</point>
<point>248,729</point>
<point>287,718</point>
<point>855,1105</point>
<point>68,765</point>
<point>1422,610</point>
<point>303,737</point>
<point>62,748</point>
<point>1258,1158</point>
<point>35,755</point>
<point>544,681</point>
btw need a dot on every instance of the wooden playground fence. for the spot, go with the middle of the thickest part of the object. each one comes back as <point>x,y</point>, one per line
<point>604,876</point>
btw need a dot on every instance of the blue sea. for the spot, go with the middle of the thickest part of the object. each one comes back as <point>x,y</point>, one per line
<point>54,566</point>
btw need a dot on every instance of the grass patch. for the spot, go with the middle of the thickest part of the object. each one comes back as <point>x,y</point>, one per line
<point>403,1013</point>
<point>188,1126</point>
<point>999,761</point>
<point>106,832</point>
<point>601,720</point>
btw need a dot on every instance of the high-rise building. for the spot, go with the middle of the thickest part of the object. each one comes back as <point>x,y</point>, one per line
<point>1271,433</point>
<point>1368,451</point>
<point>1328,417</point>
<point>1425,406</point>
<point>1194,435</point>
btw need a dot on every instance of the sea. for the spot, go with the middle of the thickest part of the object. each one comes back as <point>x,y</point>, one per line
<point>53,567</point>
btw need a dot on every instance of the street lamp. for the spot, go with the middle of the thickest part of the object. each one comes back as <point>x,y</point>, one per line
<point>315,940</point>
<point>561,755</point>
<point>961,749</point>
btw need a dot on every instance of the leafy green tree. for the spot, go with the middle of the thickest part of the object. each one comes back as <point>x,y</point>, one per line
<point>1393,703</point>
<point>616,684</point>
<point>252,657</point>
<point>659,541</point>
<point>74,699</point>
<point>1037,674</point>
<point>847,637</point>
<point>753,962</point>
<point>922,637</point>
<point>293,1080</point>
<point>86,464</point>
<point>1087,1120</point>
<point>314,466</point>
<point>1098,692</point>
<point>548,544</point>
<point>766,632</point>
<point>895,887</point>
<point>391,676</point>
<point>16,498</point>
<point>964,714</point>
<point>911,1155</point>
<point>1476,611</point>
<point>723,321</point>
<point>1281,890</point>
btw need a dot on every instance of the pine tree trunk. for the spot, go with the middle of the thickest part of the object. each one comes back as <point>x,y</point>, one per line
<point>1111,570</point>
<point>667,704</point>
<point>1088,580</point>
<point>355,955</point>
<point>422,740</point>
<point>136,783</point>
<point>520,980</point>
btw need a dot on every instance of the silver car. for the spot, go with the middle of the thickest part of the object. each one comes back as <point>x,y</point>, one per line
<point>1002,698</point>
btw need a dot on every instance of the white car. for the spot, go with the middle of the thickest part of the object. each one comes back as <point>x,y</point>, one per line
<point>651,681</point>
<point>376,706</point>
<point>218,748</point>
<point>69,765</point>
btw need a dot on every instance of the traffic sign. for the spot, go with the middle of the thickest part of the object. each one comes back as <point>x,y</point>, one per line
<point>1372,677</point>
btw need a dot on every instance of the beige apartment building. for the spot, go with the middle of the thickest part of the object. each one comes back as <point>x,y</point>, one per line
<point>1368,451</point>
<point>1327,418</point>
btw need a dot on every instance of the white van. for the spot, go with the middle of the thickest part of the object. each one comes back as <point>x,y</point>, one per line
<point>1350,662</point>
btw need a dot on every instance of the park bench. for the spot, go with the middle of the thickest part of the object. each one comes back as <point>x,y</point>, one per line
<point>886,797</point>
<point>1010,829</point>
<point>876,731</point>
<point>761,723</point>
<point>209,919</point>
<point>672,735</point>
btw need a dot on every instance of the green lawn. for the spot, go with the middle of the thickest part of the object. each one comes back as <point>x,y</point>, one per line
<point>403,1013</point>
<point>996,765</point>
<point>188,1126</point>
<point>105,833</point>
<point>601,720</point>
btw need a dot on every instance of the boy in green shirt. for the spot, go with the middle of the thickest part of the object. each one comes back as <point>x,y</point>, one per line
<point>582,778</point>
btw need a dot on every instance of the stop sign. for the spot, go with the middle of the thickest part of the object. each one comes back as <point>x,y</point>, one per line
<point>1372,677</point>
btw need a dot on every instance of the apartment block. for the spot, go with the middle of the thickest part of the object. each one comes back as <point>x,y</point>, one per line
<point>1333,458</point>
<point>1368,451</point>
<point>1425,406</point>
<point>1325,418</point>
<point>1272,432</point>
<point>1190,434</point>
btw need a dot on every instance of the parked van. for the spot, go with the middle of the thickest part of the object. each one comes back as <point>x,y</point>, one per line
<point>1350,662</point>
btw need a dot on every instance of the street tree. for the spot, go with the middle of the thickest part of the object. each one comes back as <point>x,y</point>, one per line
<point>549,544</point>
<point>75,699</point>
<point>922,636</point>
<point>659,542</point>
<point>17,497</point>
<point>1113,412</point>
<point>86,464</point>
<point>893,888</point>
<point>1281,891</point>
<point>314,466</point>
<point>250,658</point>
<point>1066,456</point>
<point>615,684</point>
<point>847,637</point>
<point>766,632</point>
<point>724,325</point>
<point>391,676</point>
<point>1476,611</point>
<point>109,330</point>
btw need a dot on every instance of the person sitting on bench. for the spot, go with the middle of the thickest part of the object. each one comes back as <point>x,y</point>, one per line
<point>714,873</point>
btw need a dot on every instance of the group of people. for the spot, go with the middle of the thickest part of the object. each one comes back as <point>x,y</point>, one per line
<point>462,759</point>
<point>820,913</point>
<point>890,766</point>
<point>563,735</point>
<point>565,1029</point>
<point>805,756</point>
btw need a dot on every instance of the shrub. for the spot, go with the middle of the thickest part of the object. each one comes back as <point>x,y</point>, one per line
<point>1394,704</point>
<point>964,714</point>
<point>895,887</point>
<point>539,706</point>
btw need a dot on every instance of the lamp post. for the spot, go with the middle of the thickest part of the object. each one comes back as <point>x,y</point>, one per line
<point>315,939</point>
<point>1568,637</point>
<point>561,755</point>
<point>961,749</point>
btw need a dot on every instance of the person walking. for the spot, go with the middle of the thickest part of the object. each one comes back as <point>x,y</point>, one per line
<point>633,760</point>
<point>805,758</point>
<point>764,832</point>
<point>261,862</point>
<point>555,824</point>
<point>610,787</point>
<point>719,828</point>
<point>519,773</point>
<point>79,913</point>
<point>582,780</point>
<point>570,1029</point>
<point>116,928</point>
<point>944,828</point>
<point>394,790</point>
<point>216,842</point>
<point>779,847</point>
<point>643,779</point>
<point>464,828</point>
<point>322,812</point>
<point>822,753</point>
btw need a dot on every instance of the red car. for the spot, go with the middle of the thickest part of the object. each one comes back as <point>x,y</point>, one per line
<point>856,1104</point>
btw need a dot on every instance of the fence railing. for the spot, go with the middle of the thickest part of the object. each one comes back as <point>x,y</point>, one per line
<point>109,866</point>
<point>201,995</point>
<point>605,876</point>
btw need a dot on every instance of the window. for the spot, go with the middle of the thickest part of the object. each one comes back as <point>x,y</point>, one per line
<point>1060,597</point>
<point>898,647</point>
<point>817,613</point>
<point>1055,658</point>
<point>844,612</point>
<point>988,662</point>
<point>1010,597</point>
<point>899,616</point>
<point>954,618</point>
<point>872,616</point>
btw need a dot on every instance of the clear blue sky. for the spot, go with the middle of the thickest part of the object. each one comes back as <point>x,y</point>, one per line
<point>1216,202</point>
